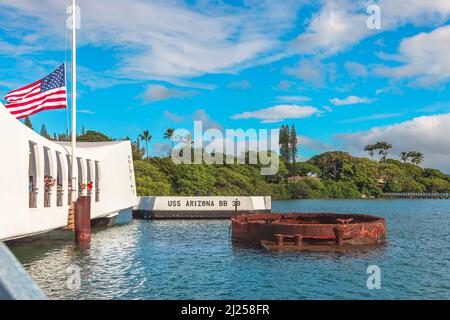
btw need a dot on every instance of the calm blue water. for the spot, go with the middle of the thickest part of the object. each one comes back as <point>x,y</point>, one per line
<point>195,259</point>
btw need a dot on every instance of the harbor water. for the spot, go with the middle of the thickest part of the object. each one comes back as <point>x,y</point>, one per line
<point>145,259</point>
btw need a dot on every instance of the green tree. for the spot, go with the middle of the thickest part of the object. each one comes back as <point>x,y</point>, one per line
<point>341,190</point>
<point>44,132</point>
<point>293,144</point>
<point>370,148</point>
<point>136,151</point>
<point>384,148</point>
<point>63,137</point>
<point>404,156</point>
<point>284,143</point>
<point>416,157</point>
<point>93,136</point>
<point>330,164</point>
<point>305,169</point>
<point>27,122</point>
<point>146,137</point>
<point>307,188</point>
<point>151,181</point>
<point>169,135</point>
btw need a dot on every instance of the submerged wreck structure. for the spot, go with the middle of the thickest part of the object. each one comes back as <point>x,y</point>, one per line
<point>308,232</point>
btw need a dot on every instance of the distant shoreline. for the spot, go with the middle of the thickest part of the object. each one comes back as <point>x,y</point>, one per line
<point>331,175</point>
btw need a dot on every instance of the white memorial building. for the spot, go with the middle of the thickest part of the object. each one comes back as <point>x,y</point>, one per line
<point>35,175</point>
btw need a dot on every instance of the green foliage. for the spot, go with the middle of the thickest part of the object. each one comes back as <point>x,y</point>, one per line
<point>383,148</point>
<point>434,184</point>
<point>293,144</point>
<point>93,136</point>
<point>370,148</point>
<point>307,188</point>
<point>330,164</point>
<point>304,169</point>
<point>136,150</point>
<point>150,180</point>
<point>27,122</point>
<point>414,156</point>
<point>328,175</point>
<point>341,189</point>
<point>146,137</point>
<point>44,132</point>
<point>288,143</point>
<point>284,143</point>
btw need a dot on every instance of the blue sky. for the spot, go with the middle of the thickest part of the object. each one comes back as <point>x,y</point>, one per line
<point>246,64</point>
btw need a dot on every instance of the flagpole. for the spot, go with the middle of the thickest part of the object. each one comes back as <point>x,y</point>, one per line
<point>74,101</point>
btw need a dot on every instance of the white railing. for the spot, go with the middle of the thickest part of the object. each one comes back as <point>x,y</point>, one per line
<point>423,195</point>
<point>15,283</point>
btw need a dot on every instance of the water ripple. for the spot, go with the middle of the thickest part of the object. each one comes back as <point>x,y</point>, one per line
<point>195,260</point>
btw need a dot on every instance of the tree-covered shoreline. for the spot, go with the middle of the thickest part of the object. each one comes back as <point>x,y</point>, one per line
<point>333,174</point>
<point>329,175</point>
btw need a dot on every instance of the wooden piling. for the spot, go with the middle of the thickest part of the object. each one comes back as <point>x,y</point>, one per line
<point>83,219</point>
<point>339,234</point>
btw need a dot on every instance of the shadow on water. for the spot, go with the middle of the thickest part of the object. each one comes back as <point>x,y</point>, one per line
<point>317,252</point>
<point>33,248</point>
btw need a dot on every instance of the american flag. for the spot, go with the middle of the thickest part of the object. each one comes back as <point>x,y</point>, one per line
<point>46,94</point>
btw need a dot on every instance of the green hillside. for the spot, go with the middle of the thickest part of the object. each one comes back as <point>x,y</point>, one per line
<point>328,175</point>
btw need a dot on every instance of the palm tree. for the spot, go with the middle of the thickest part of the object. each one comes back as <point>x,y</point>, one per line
<point>417,157</point>
<point>169,134</point>
<point>146,136</point>
<point>404,156</point>
<point>371,149</point>
<point>384,147</point>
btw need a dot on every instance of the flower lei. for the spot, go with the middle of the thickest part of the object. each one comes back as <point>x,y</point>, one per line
<point>49,183</point>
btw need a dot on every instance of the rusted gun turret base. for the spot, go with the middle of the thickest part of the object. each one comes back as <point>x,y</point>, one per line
<point>303,231</point>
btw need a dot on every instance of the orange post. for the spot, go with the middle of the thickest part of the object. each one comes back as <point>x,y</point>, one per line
<point>339,235</point>
<point>83,219</point>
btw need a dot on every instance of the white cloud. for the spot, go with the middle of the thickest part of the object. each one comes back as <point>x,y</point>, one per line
<point>8,49</point>
<point>427,134</point>
<point>171,40</point>
<point>312,72</point>
<point>340,24</point>
<point>197,115</point>
<point>86,111</point>
<point>205,118</point>
<point>356,69</point>
<point>285,85</point>
<point>244,84</point>
<point>279,113</point>
<point>400,12</point>
<point>425,58</point>
<point>350,100</point>
<point>314,144</point>
<point>391,89</point>
<point>172,116</point>
<point>377,116</point>
<point>293,99</point>
<point>163,40</point>
<point>334,28</point>
<point>157,92</point>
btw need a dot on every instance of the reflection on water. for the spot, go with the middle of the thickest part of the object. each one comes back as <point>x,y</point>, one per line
<point>319,251</point>
<point>196,260</point>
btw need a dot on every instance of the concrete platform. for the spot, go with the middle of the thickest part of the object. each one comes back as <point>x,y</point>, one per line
<point>199,207</point>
